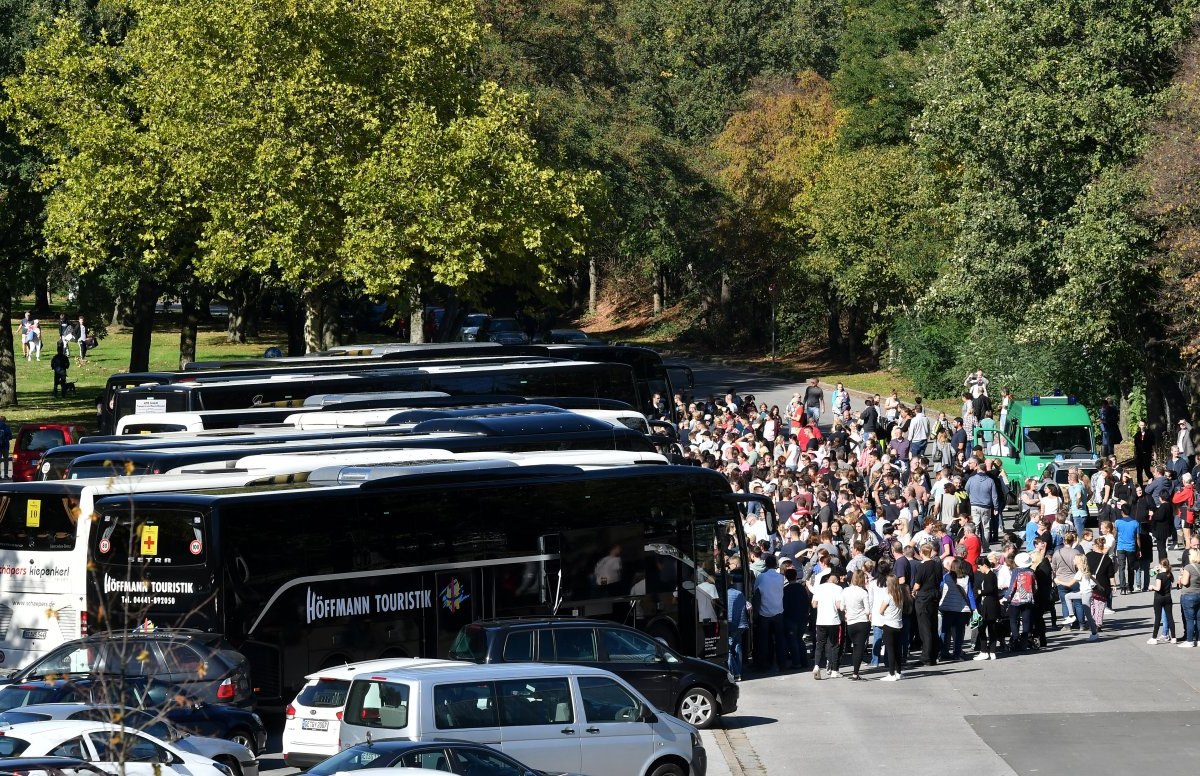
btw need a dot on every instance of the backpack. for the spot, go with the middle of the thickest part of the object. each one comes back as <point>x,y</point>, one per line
<point>960,549</point>
<point>1022,589</point>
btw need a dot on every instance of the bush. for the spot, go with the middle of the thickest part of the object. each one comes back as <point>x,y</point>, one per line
<point>926,351</point>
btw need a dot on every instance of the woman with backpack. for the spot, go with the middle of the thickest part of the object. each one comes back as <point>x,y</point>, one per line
<point>1020,597</point>
<point>956,605</point>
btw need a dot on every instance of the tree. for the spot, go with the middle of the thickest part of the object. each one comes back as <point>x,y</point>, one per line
<point>880,58</point>
<point>252,138</point>
<point>872,238</point>
<point>1027,103</point>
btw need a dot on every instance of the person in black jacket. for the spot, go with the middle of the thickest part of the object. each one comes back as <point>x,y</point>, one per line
<point>870,419</point>
<point>987,602</point>
<point>1143,450</point>
<point>60,364</point>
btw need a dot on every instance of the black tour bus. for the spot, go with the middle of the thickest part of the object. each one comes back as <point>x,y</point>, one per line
<point>529,378</point>
<point>54,462</point>
<point>307,576</point>
<point>510,434</point>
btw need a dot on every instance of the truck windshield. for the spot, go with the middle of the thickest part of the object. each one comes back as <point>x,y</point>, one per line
<point>1052,440</point>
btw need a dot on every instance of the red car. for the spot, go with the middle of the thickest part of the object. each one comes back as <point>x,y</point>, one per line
<point>33,439</point>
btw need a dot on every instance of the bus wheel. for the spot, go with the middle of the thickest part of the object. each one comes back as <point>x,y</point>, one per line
<point>333,660</point>
<point>664,635</point>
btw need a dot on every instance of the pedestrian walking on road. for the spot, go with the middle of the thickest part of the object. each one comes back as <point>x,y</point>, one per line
<point>1020,596</point>
<point>829,602</point>
<point>987,599</point>
<point>1164,609</point>
<point>890,607</point>
<point>1189,602</point>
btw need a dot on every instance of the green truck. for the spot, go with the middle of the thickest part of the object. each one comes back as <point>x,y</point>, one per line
<point>1036,433</point>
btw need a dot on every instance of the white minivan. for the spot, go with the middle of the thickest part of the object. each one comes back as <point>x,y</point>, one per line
<point>550,717</point>
<point>312,721</point>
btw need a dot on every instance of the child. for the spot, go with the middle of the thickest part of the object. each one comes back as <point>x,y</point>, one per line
<point>1081,602</point>
<point>1164,615</point>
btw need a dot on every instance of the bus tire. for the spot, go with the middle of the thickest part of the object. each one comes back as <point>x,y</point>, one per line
<point>334,660</point>
<point>668,767</point>
<point>664,634</point>
<point>698,707</point>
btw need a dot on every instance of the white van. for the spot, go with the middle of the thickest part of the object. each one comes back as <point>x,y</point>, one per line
<point>314,718</point>
<point>550,717</point>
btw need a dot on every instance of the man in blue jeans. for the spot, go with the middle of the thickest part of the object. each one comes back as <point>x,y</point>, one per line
<point>1127,549</point>
<point>739,623</point>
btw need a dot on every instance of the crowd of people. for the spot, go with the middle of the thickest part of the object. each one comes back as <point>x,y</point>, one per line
<point>890,545</point>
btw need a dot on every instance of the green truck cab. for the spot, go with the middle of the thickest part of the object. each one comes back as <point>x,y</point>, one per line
<point>1037,432</point>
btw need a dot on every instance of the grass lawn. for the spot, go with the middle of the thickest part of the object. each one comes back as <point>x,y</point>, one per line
<point>881,381</point>
<point>35,380</point>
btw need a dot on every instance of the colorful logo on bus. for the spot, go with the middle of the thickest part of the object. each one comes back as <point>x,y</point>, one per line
<point>454,595</point>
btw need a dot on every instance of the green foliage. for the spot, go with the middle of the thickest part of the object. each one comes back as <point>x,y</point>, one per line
<point>925,350</point>
<point>880,58</point>
<point>870,231</point>
<point>283,137</point>
<point>1026,103</point>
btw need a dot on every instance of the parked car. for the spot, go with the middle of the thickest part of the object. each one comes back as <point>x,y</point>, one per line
<point>240,760</point>
<point>553,717</point>
<point>202,665</point>
<point>568,337</point>
<point>506,331</point>
<point>469,331</point>
<point>239,726</point>
<point>697,691</point>
<point>447,756</point>
<point>33,439</point>
<point>105,746</point>
<point>313,719</point>
<point>48,766</point>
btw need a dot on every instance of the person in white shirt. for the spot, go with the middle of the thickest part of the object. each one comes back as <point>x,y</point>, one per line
<point>889,605</point>
<point>828,601</point>
<point>857,601</point>
<point>756,529</point>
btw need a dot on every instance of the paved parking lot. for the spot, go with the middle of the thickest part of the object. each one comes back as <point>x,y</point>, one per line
<point>1074,708</point>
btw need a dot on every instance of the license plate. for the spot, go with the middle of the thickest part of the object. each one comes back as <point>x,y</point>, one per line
<point>314,724</point>
<point>30,633</point>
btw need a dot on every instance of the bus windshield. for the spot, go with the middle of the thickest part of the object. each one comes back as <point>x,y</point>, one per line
<point>151,536</point>
<point>36,523</point>
<point>1051,440</point>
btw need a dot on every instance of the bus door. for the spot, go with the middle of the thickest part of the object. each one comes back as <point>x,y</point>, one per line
<point>704,587</point>
<point>683,381</point>
<point>458,598</point>
<point>742,578</point>
<point>997,445</point>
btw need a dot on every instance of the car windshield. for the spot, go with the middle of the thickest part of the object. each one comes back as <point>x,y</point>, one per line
<point>504,324</point>
<point>348,760</point>
<point>17,695</point>
<point>1051,440</point>
<point>41,439</point>
<point>324,694</point>
<point>470,644</point>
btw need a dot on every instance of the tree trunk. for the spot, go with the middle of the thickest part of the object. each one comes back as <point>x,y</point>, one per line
<point>593,283</point>
<point>41,296</point>
<point>450,322</point>
<point>833,329</point>
<point>320,318</point>
<point>188,326</point>
<point>116,316</point>
<point>416,316</point>
<point>144,301</point>
<point>658,291</point>
<point>8,359</point>
<point>726,295</point>
<point>293,311</point>
<point>243,310</point>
